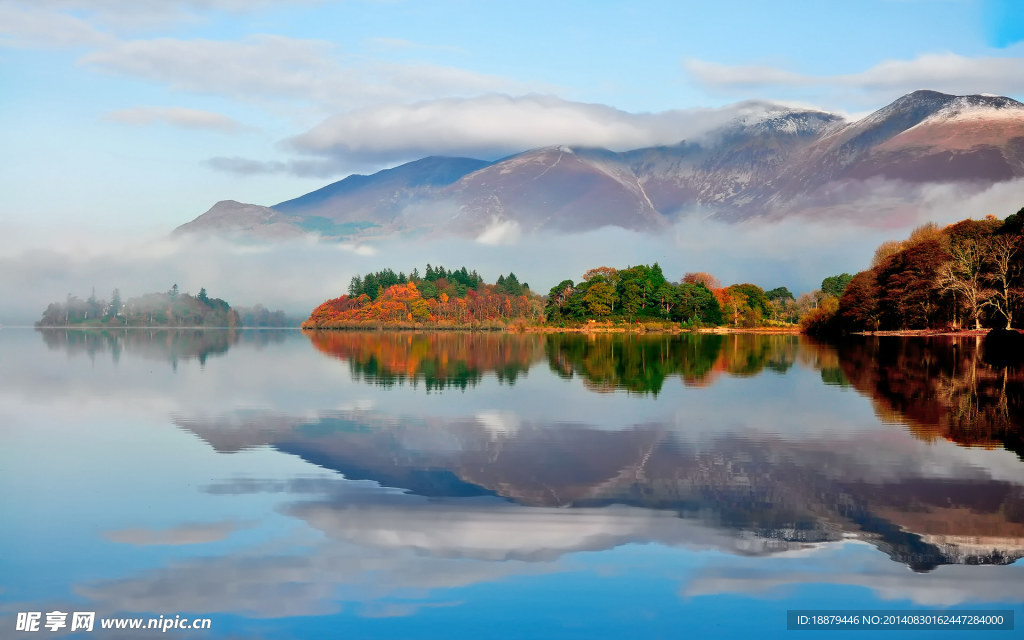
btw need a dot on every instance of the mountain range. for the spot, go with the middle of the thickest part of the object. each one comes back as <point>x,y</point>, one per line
<point>783,162</point>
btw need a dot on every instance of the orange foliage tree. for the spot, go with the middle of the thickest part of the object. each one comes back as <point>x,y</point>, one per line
<point>404,303</point>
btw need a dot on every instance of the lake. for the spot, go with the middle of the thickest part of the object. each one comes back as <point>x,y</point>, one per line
<point>450,485</point>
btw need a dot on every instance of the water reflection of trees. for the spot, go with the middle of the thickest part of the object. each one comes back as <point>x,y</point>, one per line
<point>166,345</point>
<point>440,360</point>
<point>604,362</point>
<point>939,387</point>
<point>642,363</point>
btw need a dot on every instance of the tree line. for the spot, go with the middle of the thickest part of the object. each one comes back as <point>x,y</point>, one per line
<point>643,292</point>
<point>454,283</point>
<point>638,293</point>
<point>967,275</point>
<point>168,309</point>
<point>440,297</point>
<point>171,308</point>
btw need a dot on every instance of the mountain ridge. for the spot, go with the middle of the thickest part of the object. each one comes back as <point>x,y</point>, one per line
<point>780,162</point>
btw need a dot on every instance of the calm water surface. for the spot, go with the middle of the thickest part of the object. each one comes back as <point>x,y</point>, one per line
<point>368,485</point>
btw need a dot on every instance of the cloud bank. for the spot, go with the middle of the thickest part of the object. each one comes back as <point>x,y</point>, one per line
<point>946,72</point>
<point>263,67</point>
<point>494,125</point>
<point>178,117</point>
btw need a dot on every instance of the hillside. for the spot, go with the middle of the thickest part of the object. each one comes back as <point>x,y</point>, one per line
<point>785,162</point>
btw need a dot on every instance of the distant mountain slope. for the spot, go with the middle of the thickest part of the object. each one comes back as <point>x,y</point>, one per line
<point>231,217</point>
<point>927,136</point>
<point>556,188</point>
<point>781,163</point>
<point>381,196</point>
<point>735,169</point>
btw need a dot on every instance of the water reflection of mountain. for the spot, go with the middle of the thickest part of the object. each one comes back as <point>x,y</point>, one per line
<point>785,494</point>
<point>940,388</point>
<point>166,345</point>
<point>438,359</point>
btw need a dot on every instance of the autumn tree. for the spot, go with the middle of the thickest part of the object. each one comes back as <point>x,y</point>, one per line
<point>702,277</point>
<point>963,277</point>
<point>858,307</point>
<point>600,297</point>
<point>968,273</point>
<point>1004,274</point>
<point>908,282</point>
<point>822,320</point>
<point>733,304</point>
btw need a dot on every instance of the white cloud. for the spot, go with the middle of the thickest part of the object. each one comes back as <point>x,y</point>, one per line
<point>501,232</point>
<point>176,116</point>
<point>947,72</point>
<point>492,125</point>
<point>285,69</point>
<point>20,28</point>
<point>134,14</point>
<point>503,533</point>
<point>250,167</point>
<point>246,166</point>
<point>717,75</point>
<point>264,65</point>
<point>946,586</point>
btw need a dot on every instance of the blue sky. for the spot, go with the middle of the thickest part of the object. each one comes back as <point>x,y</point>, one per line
<point>139,114</point>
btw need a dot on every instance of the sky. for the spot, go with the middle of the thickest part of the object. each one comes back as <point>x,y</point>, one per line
<point>125,118</point>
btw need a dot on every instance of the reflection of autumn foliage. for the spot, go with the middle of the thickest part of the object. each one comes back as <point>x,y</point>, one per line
<point>641,363</point>
<point>939,387</point>
<point>439,359</point>
<point>403,303</point>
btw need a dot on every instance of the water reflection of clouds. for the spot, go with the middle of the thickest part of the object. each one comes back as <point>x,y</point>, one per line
<point>856,564</point>
<point>506,532</point>
<point>318,580</point>
<point>182,534</point>
<point>390,559</point>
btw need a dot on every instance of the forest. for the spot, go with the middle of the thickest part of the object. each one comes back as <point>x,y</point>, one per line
<point>440,298</point>
<point>967,275</point>
<point>643,293</point>
<point>635,294</point>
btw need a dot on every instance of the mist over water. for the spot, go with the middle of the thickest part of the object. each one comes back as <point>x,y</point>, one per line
<point>295,275</point>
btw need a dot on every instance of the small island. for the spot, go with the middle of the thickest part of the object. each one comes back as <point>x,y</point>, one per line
<point>631,298</point>
<point>169,309</point>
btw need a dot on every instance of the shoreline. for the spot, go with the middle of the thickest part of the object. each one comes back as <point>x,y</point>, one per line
<point>100,327</point>
<point>589,329</point>
<point>909,333</point>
